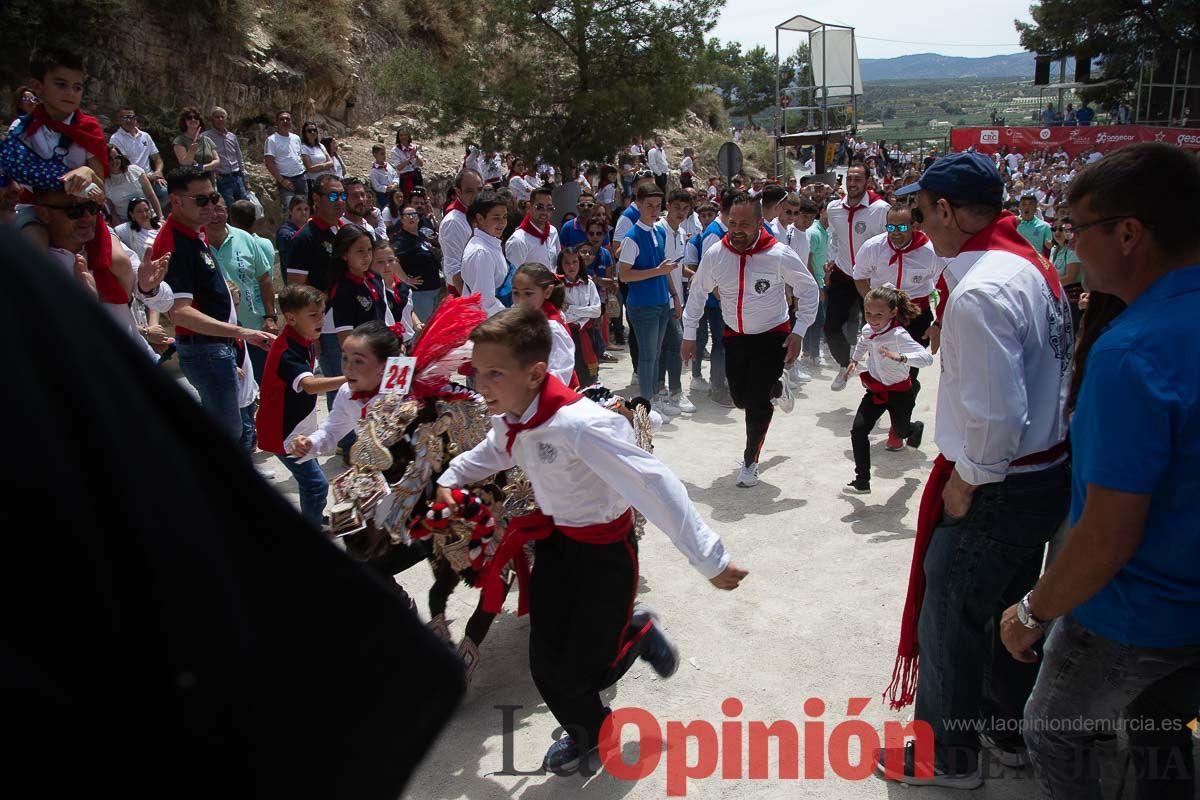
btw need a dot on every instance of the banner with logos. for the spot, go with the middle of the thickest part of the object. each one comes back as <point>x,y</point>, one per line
<point>1075,140</point>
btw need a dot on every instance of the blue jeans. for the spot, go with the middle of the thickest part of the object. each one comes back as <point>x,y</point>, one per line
<point>712,329</point>
<point>669,364</point>
<point>249,437</point>
<point>649,325</point>
<point>211,369</point>
<point>232,188</point>
<point>812,336</point>
<point>1086,678</point>
<point>314,488</point>
<point>164,197</point>
<point>975,568</point>
<point>425,302</point>
<point>331,366</point>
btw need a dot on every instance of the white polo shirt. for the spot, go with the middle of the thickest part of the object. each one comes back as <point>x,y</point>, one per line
<point>137,147</point>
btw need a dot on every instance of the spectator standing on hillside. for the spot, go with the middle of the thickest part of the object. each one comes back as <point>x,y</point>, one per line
<point>231,178</point>
<point>125,182</point>
<point>313,154</point>
<point>139,148</point>
<point>281,157</point>
<point>657,160</point>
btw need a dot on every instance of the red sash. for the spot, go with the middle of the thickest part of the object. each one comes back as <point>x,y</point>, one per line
<point>903,688</point>
<point>879,390</point>
<point>531,528</point>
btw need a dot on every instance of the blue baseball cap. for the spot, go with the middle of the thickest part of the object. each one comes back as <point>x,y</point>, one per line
<point>961,177</point>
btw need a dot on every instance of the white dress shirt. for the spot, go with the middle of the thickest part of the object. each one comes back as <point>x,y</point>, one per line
<point>520,188</point>
<point>753,299</point>
<point>453,235</point>
<point>869,220</point>
<point>583,302</point>
<point>344,415</point>
<point>525,248</point>
<point>658,161</point>
<point>1006,352</point>
<point>921,266</point>
<point>899,341</point>
<point>797,240</point>
<point>686,164</point>
<point>585,469</point>
<point>45,140</point>
<point>484,269</point>
<point>562,353</point>
<point>383,178</point>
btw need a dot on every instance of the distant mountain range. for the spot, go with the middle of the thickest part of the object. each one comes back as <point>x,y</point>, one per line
<point>932,65</point>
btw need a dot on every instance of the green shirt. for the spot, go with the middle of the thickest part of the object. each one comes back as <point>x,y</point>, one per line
<point>818,248</point>
<point>243,262</point>
<point>1061,257</point>
<point>204,153</point>
<point>1037,233</point>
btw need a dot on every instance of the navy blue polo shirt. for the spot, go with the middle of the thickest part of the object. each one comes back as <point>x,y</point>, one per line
<point>1136,429</point>
<point>282,403</point>
<point>357,300</point>
<point>310,252</point>
<point>193,273</point>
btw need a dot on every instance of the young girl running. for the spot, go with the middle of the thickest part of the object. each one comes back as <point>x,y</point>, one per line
<point>582,306</point>
<point>890,351</point>
<point>535,287</point>
<point>357,294</point>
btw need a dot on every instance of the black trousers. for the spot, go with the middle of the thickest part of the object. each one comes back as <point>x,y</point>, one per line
<point>918,329</point>
<point>899,406</point>
<point>581,640</point>
<point>661,181</point>
<point>753,367</point>
<point>445,580</point>
<point>842,298</point>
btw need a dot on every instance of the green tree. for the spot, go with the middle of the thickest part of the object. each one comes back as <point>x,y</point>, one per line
<point>564,79</point>
<point>1119,33</point>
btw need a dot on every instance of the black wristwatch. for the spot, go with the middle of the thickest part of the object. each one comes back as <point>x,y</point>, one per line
<point>272,317</point>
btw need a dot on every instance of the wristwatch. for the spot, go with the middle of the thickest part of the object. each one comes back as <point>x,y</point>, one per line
<point>272,317</point>
<point>1026,617</point>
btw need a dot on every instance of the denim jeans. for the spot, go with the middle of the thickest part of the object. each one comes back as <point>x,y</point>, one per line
<point>211,369</point>
<point>232,188</point>
<point>425,302</point>
<point>649,325</point>
<point>669,364</point>
<point>249,437</point>
<point>164,196</point>
<point>812,336</point>
<point>331,366</point>
<point>1086,683</point>
<point>975,568</point>
<point>314,488</point>
<point>299,187</point>
<point>712,329</point>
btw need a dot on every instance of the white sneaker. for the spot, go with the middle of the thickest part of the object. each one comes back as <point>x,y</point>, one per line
<point>700,385</point>
<point>839,380</point>
<point>664,406</point>
<point>748,475</point>
<point>681,402</point>
<point>786,401</point>
<point>798,374</point>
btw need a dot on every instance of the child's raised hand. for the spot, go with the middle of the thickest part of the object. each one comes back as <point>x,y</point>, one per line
<point>445,495</point>
<point>730,578</point>
<point>300,446</point>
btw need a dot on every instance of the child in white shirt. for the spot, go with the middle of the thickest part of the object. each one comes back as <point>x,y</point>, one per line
<point>581,307</point>
<point>890,351</point>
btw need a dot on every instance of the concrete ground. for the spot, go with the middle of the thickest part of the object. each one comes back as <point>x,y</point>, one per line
<point>818,616</point>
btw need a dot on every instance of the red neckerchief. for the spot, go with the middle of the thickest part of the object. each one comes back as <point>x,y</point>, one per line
<point>765,241</point>
<point>551,398</point>
<point>528,227</point>
<point>572,284</point>
<point>553,313</point>
<point>366,395</point>
<point>918,240</point>
<point>291,333</point>
<point>364,280</point>
<point>893,324</point>
<point>1002,235</point>
<point>84,130</point>
<point>456,205</point>
<point>850,212</point>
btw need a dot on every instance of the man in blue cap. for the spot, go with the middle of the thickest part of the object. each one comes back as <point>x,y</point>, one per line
<point>999,488</point>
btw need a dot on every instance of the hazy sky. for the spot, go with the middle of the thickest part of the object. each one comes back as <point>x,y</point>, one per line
<point>986,27</point>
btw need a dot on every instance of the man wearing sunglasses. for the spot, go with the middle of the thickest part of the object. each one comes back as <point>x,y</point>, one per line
<point>999,488</point>
<point>574,232</point>
<point>140,149</point>
<point>455,229</point>
<point>283,159</point>
<point>205,320</point>
<point>904,257</point>
<point>535,240</point>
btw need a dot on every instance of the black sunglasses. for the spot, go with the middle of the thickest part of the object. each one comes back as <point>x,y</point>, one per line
<point>201,200</point>
<point>75,210</point>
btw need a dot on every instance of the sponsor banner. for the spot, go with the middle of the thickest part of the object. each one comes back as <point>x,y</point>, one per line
<point>1074,140</point>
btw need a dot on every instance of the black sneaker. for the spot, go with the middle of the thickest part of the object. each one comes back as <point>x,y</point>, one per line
<point>657,649</point>
<point>858,486</point>
<point>923,774</point>
<point>565,755</point>
<point>914,438</point>
<point>1010,752</point>
<point>721,397</point>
